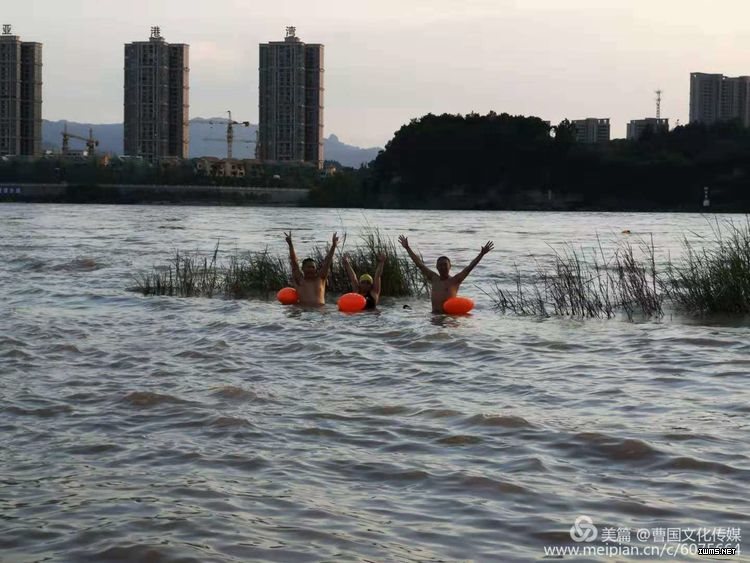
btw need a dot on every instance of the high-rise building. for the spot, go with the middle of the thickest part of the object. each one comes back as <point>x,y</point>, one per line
<point>637,127</point>
<point>20,96</point>
<point>156,98</point>
<point>715,97</point>
<point>291,101</point>
<point>592,130</point>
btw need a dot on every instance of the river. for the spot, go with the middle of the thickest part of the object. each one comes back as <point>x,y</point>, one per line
<point>165,429</point>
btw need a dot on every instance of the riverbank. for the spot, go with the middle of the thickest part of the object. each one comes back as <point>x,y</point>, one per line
<point>135,194</point>
<point>125,194</point>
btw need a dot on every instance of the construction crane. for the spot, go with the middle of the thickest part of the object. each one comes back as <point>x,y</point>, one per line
<point>91,143</point>
<point>230,132</point>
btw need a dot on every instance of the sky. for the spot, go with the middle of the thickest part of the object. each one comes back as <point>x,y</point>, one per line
<point>388,61</point>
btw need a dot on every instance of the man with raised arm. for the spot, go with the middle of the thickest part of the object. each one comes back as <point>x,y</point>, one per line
<point>310,282</point>
<point>443,285</point>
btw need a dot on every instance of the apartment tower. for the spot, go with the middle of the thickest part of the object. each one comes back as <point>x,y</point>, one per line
<point>20,96</point>
<point>291,101</point>
<point>637,127</point>
<point>156,98</point>
<point>715,97</point>
<point>592,130</point>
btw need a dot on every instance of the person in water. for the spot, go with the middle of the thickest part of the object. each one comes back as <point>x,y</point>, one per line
<point>310,282</point>
<point>443,285</point>
<point>366,285</point>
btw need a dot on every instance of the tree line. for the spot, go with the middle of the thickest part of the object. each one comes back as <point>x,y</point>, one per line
<point>500,161</point>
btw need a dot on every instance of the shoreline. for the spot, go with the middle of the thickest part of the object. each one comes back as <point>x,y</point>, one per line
<point>246,196</point>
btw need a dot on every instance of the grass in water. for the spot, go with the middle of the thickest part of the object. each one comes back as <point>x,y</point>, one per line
<point>587,286</point>
<point>263,273</point>
<point>716,277</point>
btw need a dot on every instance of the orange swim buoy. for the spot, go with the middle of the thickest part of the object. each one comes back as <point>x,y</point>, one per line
<point>287,296</point>
<point>458,305</point>
<point>351,303</point>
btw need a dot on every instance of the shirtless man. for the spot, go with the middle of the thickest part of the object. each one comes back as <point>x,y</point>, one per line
<point>310,282</point>
<point>444,286</point>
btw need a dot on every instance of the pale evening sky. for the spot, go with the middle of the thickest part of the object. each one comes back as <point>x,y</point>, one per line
<point>390,60</point>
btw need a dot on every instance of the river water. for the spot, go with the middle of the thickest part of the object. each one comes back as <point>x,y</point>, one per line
<point>165,429</point>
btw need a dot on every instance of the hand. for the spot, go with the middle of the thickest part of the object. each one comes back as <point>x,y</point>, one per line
<point>288,237</point>
<point>487,247</point>
<point>334,240</point>
<point>381,258</point>
<point>404,241</point>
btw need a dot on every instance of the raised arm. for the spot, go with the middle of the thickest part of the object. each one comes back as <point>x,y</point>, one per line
<point>461,276</point>
<point>351,273</point>
<point>416,259</point>
<point>296,272</point>
<point>326,267</point>
<point>378,275</point>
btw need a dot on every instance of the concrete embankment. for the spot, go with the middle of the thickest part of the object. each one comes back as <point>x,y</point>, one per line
<point>134,194</point>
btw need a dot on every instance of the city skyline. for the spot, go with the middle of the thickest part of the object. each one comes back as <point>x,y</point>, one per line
<point>387,64</point>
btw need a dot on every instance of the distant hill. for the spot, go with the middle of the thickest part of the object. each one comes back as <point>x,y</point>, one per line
<point>207,138</point>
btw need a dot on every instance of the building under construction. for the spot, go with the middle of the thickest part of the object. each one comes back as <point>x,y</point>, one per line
<point>291,101</point>
<point>156,99</point>
<point>20,96</point>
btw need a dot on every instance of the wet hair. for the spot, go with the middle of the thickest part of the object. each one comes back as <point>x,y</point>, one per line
<point>443,258</point>
<point>306,260</point>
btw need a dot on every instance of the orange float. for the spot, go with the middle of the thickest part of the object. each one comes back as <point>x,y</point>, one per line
<point>287,296</point>
<point>458,305</point>
<point>351,303</point>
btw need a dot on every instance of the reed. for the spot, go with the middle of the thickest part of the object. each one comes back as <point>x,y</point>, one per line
<point>712,278</point>
<point>262,273</point>
<point>587,285</point>
<point>716,277</point>
<point>401,278</point>
<point>255,273</point>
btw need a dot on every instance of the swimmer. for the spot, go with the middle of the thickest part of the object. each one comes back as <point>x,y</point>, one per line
<point>443,285</point>
<point>366,285</point>
<point>310,282</point>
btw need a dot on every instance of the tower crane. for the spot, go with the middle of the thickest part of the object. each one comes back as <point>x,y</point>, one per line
<point>230,132</point>
<point>91,143</point>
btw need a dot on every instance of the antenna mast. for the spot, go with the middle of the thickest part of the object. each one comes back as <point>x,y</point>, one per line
<point>658,104</point>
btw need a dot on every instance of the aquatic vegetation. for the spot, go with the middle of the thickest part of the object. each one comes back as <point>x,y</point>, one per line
<point>254,273</point>
<point>711,279</point>
<point>263,273</point>
<point>581,285</point>
<point>401,278</point>
<point>716,277</point>
<point>185,276</point>
<point>576,283</point>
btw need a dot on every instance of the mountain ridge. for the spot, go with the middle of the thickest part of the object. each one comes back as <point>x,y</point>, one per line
<point>207,138</point>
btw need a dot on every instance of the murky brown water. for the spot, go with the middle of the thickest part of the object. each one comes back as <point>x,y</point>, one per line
<point>165,429</point>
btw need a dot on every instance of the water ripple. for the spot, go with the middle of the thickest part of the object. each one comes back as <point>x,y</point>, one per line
<point>170,429</point>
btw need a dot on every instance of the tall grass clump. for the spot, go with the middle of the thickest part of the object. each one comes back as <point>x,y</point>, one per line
<point>593,285</point>
<point>716,277</point>
<point>185,276</point>
<point>523,299</point>
<point>262,273</point>
<point>401,277</point>
<point>255,273</point>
